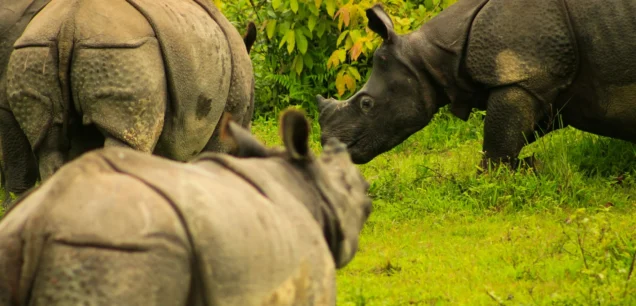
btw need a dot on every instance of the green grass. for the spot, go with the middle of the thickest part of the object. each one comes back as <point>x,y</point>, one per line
<point>442,235</point>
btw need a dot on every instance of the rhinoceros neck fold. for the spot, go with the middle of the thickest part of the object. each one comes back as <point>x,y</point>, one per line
<point>439,47</point>
<point>277,180</point>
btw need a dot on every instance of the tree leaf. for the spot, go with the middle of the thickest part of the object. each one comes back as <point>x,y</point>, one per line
<point>356,50</point>
<point>291,40</point>
<point>271,28</point>
<point>320,29</point>
<point>342,55</point>
<point>333,60</point>
<point>349,82</point>
<point>308,60</point>
<point>354,72</point>
<point>282,41</point>
<point>293,4</point>
<point>301,41</point>
<point>298,64</point>
<point>275,4</point>
<point>331,7</point>
<point>311,23</point>
<point>340,83</point>
<point>341,37</point>
<point>318,3</point>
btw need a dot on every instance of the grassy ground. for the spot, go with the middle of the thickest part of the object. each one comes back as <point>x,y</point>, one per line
<point>442,235</point>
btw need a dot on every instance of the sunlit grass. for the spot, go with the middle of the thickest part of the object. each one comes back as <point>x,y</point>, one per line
<point>441,234</point>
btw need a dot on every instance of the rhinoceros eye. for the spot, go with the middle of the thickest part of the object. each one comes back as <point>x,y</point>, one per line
<point>366,104</point>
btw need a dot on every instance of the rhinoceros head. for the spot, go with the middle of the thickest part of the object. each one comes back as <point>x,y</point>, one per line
<point>396,101</point>
<point>337,191</point>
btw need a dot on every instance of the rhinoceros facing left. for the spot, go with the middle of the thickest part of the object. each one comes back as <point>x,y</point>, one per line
<point>152,75</point>
<point>120,227</point>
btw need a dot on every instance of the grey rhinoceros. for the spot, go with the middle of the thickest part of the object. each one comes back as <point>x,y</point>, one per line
<point>115,226</point>
<point>152,75</point>
<point>523,61</point>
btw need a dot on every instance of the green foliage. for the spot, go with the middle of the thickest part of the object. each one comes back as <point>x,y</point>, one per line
<point>309,47</point>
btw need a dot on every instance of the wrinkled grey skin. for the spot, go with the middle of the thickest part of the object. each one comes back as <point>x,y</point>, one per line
<point>267,226</point>
<point>523,61</point>
<point>151,75</point>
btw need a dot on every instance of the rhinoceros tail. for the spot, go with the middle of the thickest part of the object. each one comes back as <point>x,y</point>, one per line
<point>64,56</point>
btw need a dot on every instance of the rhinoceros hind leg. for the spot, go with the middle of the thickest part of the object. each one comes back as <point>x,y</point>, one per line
<point>50,154</point>
<point>19,168</point>
<point>123,92</point>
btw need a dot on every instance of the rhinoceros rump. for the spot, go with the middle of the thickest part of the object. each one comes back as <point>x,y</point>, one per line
<point>152,75</point>
<point>120,227</point>
<point>524,61</point>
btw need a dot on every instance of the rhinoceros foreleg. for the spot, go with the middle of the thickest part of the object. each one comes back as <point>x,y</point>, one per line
<point>123,92</point>
<point>512,117</point>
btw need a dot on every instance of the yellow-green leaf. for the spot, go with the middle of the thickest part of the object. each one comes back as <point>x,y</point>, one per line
<point>340,84</point>
<point>301,41</point>
<point>341,37</point>
<point>342,54</point>
<point>349,82</point>
<point>331,7</point>
<point>275,4</point>
<point>282,41</point>
<point>271,27</point>
<point>333,60</point>
<point>311,23</point>
<point>291,40</point>
<point>354,72</point>
<point>318,3</point>
<point>293,4</point>
<point>298,64</point>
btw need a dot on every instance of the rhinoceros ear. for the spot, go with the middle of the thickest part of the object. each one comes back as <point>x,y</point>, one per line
<point>295,133</point>
<point>380,22</point>
<point>250,36</point>
<point>242,142</point>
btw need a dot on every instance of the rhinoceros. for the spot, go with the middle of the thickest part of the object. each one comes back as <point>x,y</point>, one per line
<point>524,61</point>
<point>152,75</point>
<point>258,226</point>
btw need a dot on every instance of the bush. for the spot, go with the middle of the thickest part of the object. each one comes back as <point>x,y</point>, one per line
<point>309,47</point>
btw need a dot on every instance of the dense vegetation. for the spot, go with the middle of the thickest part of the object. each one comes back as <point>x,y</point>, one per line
<point>562,233</point>
<point>309,47</point>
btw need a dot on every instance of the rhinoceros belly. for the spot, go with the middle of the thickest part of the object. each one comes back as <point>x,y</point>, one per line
<point>603,96</point>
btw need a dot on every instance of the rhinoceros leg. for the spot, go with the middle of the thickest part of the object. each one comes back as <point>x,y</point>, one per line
<point>35,99</point>
<point>123,92</point>
<point>512,117</point>
<point>19,168</point>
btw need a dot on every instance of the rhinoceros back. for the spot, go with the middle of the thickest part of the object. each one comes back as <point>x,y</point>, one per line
<point>523,42</point>
<point>198,64</point>
<point>136,63</point>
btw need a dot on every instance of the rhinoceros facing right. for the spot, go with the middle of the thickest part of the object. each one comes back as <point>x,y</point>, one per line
<point>152,75</point>
<point>120,227</point>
